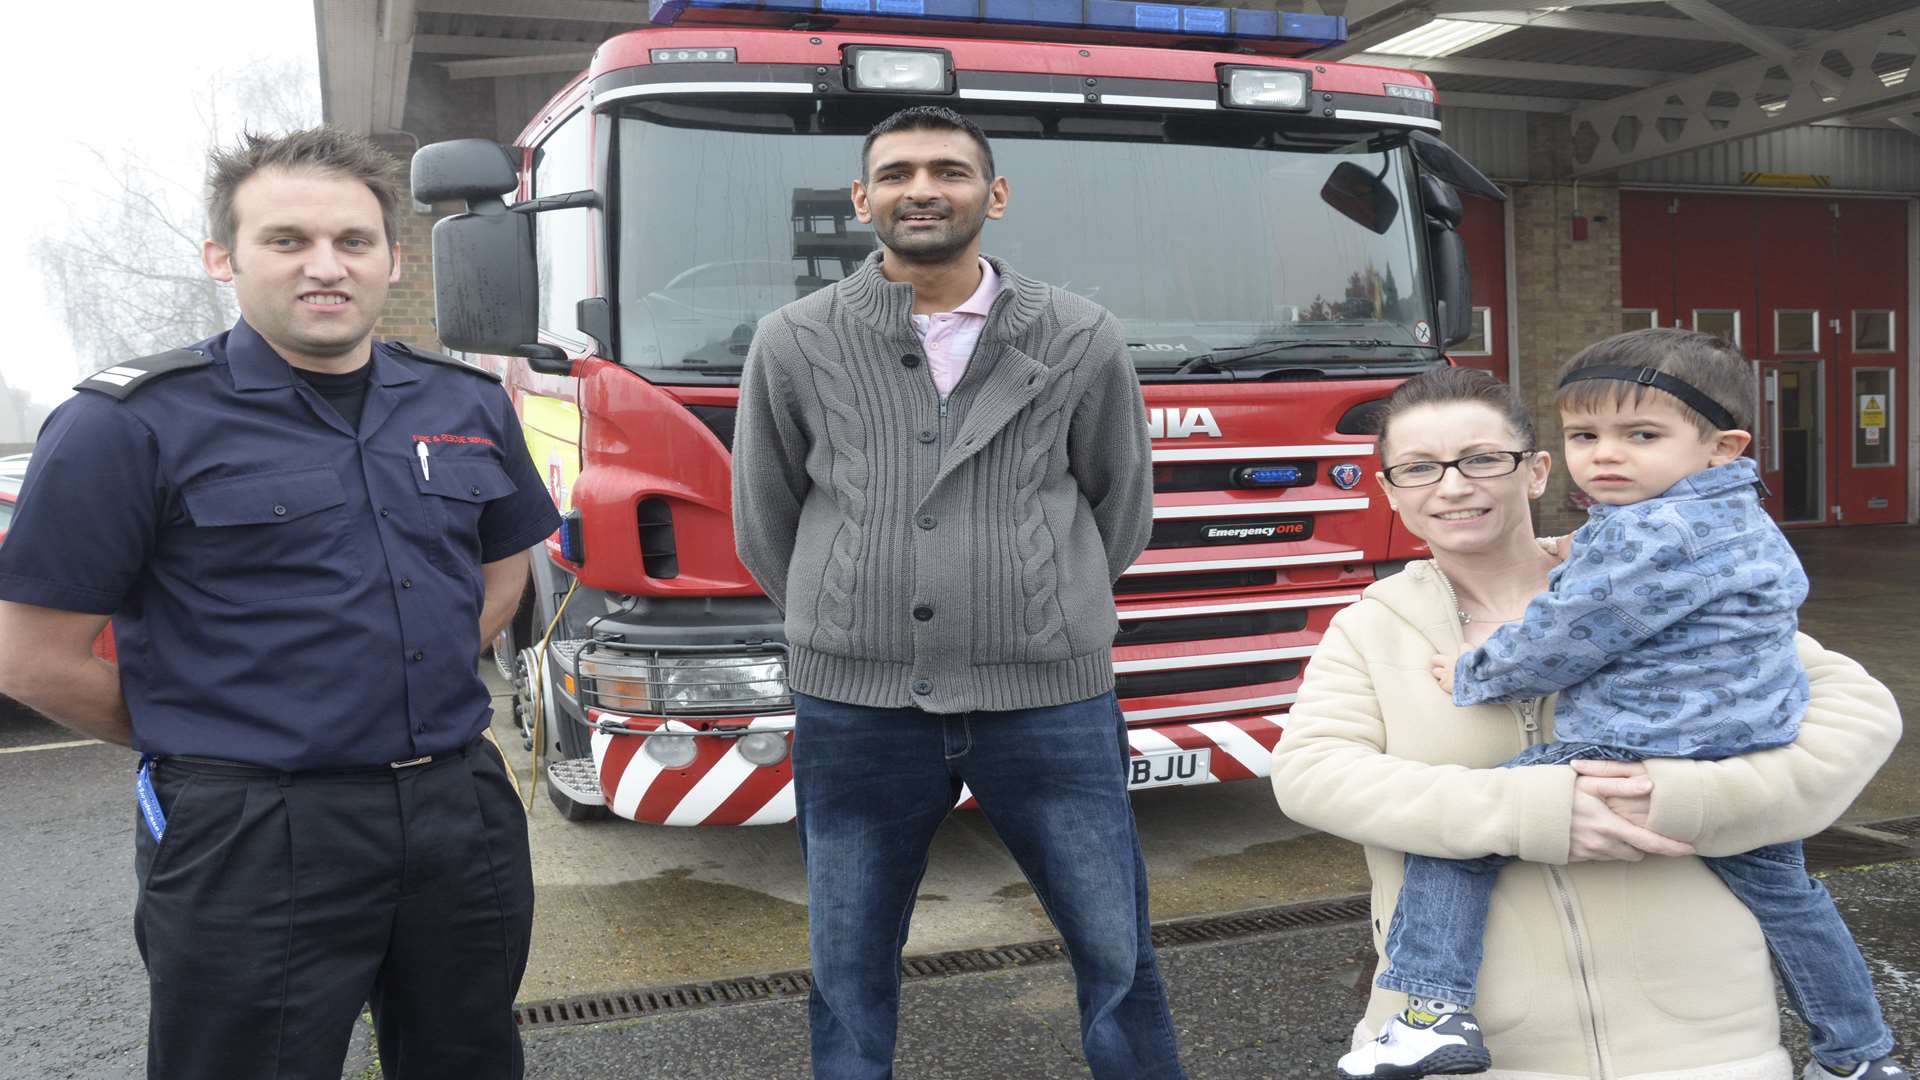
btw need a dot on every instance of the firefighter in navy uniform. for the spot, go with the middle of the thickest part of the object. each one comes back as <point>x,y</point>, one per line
<point>303,538</point>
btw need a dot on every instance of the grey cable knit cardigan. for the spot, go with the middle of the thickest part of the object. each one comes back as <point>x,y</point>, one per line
<point>954,556</point>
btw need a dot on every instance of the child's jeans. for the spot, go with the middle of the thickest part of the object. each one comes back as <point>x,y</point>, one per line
<point>1434,943</point>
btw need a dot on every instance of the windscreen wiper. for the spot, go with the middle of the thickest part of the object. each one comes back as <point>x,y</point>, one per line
<point>1223,359</point>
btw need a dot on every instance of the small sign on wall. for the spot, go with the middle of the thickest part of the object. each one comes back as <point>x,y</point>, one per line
<point>1873,411</point>
<point>1873,436</point>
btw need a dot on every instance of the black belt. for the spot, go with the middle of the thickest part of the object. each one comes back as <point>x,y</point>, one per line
<point>206,766</point>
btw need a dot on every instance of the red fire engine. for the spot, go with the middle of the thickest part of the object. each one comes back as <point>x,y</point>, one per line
<point>1278,236</point>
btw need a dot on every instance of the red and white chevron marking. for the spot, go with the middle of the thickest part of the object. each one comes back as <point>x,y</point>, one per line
<point>719,787</point>
<point>1242,747</point>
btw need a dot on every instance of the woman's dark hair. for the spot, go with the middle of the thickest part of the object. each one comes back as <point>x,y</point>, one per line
<point>1447,385</point>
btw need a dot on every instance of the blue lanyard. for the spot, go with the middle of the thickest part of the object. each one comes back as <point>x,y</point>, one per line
<point>149,802</point>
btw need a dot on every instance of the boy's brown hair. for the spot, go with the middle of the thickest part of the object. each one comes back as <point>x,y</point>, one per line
<point>1711,365</point>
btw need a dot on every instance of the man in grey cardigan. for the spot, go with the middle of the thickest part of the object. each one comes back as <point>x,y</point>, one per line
<point>940,469</point>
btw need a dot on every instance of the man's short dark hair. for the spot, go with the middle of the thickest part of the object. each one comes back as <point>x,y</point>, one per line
<point>928,118</point>
<point>1709,364</point>
<point>324,149</point>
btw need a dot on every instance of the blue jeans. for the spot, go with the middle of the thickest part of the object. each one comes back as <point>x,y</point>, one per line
<point>872,786</point>
<point>1434,944</point>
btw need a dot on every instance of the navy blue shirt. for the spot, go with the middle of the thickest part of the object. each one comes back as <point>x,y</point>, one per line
<point>285,591</point>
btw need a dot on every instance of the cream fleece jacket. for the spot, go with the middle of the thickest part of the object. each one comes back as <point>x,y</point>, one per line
<point>1602,969</point>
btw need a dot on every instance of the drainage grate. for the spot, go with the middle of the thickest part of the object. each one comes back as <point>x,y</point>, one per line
<point>1900,826</point>
<point>635,1004</point>
<point>1836,848</point>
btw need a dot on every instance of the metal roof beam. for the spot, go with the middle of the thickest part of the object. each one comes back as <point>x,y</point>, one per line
<point>1630,25</point>
<point>1627,129</point>
<point>1521,69</point>
<point>1378,28</point>
<point>517,65</point>
<point>394,57</point>
<point>365,57</point>
<point>1510,102</point>
<point>1902,107</point>
<point>1449,8</point>
<point>1710,14</point>
<point>469,45</point>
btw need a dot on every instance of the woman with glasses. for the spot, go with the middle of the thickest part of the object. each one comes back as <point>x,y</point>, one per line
<point>1598,960</point>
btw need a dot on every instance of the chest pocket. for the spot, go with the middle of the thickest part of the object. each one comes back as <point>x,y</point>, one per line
<point>270,536</point>
<point>453,496</point>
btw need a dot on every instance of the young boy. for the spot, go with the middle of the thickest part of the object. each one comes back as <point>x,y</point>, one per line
<point>1669,630</point>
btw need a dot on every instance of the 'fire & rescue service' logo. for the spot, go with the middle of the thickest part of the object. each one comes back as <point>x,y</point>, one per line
<point>1346,474</point>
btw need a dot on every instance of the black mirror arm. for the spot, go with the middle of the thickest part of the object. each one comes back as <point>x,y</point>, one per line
<point>1453,167</point>
<point>570,200</point>
<point>546,359</point>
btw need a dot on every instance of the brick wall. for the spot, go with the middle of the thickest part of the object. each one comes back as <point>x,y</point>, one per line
<point>409,313</point>
<point>1568,291</point>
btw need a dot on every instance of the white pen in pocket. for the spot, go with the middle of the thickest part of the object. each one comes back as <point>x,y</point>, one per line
<point>421,449</point>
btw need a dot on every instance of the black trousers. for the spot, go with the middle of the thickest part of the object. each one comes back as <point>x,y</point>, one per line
<point>277,905</point>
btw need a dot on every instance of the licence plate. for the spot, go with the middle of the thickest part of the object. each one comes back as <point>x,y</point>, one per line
<point>1167,768</point>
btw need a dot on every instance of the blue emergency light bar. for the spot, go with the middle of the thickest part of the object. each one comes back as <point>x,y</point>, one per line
<point>980,16</point>
<point>1269,475</point>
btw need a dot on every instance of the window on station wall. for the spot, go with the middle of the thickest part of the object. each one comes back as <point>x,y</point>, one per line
<point>1770,418</point>
<point>1639,319</point>
<point>1873,331</point>
<point>1796,331</point>
<point>1873,413</point>
<point>1480,343</point>
<point>560,242</point>
<point>1720,322</point>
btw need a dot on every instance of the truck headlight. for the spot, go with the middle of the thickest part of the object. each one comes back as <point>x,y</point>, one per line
<point>1265,88</point>
<point>899,71</point>
<point>650,683</point>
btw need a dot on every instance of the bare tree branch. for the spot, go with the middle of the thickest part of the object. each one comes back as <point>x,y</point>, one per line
<point>124,272</point>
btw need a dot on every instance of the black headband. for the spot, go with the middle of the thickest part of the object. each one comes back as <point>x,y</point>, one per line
<point>1716,414</point>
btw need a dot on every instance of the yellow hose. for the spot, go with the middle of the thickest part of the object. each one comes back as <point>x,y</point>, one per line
<point>534,679</point>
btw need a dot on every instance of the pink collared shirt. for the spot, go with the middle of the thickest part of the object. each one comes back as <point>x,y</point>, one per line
<point>951,335</point>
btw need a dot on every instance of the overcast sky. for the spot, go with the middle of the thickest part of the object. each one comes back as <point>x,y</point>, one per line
<point>117,77</point>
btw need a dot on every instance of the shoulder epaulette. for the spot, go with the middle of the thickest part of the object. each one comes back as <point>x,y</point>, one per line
<point>121,380</point>
<point>432,357</point>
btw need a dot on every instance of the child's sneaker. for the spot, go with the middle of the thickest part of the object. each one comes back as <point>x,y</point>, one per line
<point>1884,1069</point>
<point>1450,1044</point>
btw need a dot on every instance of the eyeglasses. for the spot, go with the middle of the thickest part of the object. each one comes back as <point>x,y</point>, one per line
<point>1484,465</point>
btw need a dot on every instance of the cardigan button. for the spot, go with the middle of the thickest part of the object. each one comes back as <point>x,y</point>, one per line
<point>926,521</point>
<point>927,436</point>
<point>923,687</point>
<point>923,613</point>
<point>910,361</point>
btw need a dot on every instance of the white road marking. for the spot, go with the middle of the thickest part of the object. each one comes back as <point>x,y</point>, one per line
<point>51,746</point>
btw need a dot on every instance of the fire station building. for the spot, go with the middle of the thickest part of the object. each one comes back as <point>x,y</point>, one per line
<point>1746,167</point>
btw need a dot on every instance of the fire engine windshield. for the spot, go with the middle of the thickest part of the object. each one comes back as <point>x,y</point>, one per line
<point>1221,240</point>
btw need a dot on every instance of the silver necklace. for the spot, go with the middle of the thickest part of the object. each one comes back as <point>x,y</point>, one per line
<point>1453,598</point>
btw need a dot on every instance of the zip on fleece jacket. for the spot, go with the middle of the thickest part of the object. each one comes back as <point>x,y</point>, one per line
<point>1527,711</point>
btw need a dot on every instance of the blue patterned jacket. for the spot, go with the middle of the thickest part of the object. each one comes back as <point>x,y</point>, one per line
<point>1669,628</point>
